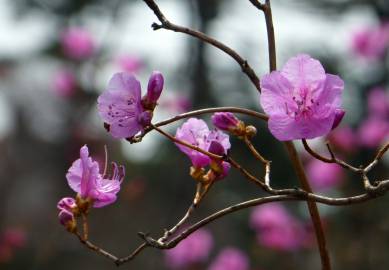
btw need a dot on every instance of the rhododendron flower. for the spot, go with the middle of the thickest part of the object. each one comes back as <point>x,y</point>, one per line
<point>276,228</point>
<point>378,102</point>
<point>77,43</point>
<point>85,179</point>
<point>344,138</point>
<point>324,175</point>
<point>64,83</point>
<point>196,132</point>
<point>301,100</point>
<point>371,42</point>
<point>373,132</point>
<point>192,250</point>
<point>230,259</point>
<point>120,106</point>
<point>129,63</point>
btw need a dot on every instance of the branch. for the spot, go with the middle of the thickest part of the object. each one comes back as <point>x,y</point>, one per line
<point>166,24</point>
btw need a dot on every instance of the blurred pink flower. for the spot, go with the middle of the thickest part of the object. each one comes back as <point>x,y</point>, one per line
<point>64,83</point>
<point>177,104</point>
<point>344,138</point>
<point>371,42</point>
<point>196,132</point>
<point>129,63</point>
<point>77,43</point>
<point>378,102</point>
<point>192,250</point>
<point>324,175</point>
<point>373,132</point>
<point>276,228</point>
<point>85,179</point>
<point>302,101</point>
<point>230,259</point>
<point>10,240</point>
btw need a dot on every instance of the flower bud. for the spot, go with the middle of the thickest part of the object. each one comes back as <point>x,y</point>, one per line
<point>67,203</point>
<point>154,88</point>
<point>251,131</point>
<point>339,113</point>
<point>66,218</point>
<point>225,121</point>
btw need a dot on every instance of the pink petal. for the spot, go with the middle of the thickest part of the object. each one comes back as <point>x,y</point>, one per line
<point>303,71</point>
<point>276,94</point>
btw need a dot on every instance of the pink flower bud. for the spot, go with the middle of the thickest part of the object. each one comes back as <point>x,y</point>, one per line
<point>64,83</point>
<point>225,120</point>
<point>67,203</point>
<point>154,88</point>
<point>66,217</point>
<point>339,113</point>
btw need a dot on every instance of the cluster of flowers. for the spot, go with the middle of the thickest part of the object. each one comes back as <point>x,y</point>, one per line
<point>195,250</point>
<point>302,102</point>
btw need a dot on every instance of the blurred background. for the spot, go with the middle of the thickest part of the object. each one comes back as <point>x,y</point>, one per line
<point>57,56</point>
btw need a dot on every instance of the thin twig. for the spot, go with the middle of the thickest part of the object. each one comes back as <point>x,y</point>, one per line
<point>178,117</point>
<point>166,24</point>
<point>333,159</point>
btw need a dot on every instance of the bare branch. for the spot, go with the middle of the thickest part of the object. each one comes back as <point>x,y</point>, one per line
<point>166,24</point>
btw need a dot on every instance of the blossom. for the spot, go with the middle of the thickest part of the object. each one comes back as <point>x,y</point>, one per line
<point>120,106</point>
<point>324,175</point>
<point>371,42</point>
<point>378,102</point>
<point>129,63</point>
<point>64,83</point>
<point>373,131</point>
<point>194,249</point>
<point>196,132</point>
<point>230,259</point>
<point>276,228</point>
<point>344,138</point>
<point>301,100</point>
<point>77,43</point>
<point>84,178</point>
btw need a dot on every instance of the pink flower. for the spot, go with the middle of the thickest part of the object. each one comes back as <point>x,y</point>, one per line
<point>378,102</point>
<point>64,83</point>
<point>301,100</point>
<point>84,178</point>
<point>373,132</point>
<point>120,106</point>
<point>344,138</point>
<point>77,43</point>
<point>371,42</point>
<point>192,250</point>
<point>131,64</point>
<point>195,131</point>
<point>230,259</point>
<point>276,228</point>
<point>324,175</point>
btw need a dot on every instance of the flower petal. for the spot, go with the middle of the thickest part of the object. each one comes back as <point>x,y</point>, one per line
<point>276,94</point>
<point>303,71</point>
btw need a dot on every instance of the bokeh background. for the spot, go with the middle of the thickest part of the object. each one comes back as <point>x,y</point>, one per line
<point>48,111</point>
